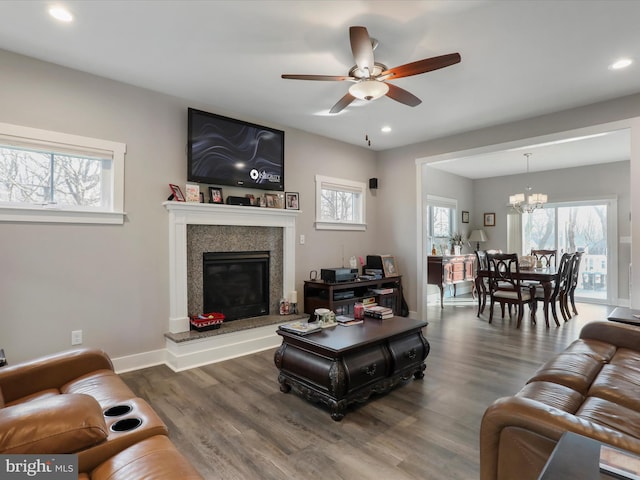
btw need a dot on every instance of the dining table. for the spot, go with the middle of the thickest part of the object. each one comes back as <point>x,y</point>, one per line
<point>546,276</point>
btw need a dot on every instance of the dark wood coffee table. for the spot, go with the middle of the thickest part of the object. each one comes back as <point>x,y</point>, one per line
<point>342,365</point>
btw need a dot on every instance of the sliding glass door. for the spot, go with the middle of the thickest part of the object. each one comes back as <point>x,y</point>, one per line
<point>587,227</point>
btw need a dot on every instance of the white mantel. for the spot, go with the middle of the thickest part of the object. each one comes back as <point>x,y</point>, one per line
<point>182,214</point>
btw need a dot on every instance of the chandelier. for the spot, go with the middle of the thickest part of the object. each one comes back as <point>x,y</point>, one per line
<point>533,200</point>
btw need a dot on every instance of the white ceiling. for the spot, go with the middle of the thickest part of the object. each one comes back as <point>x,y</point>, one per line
<point>519,58</point>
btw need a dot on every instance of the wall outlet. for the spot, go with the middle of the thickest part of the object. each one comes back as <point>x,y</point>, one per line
<point>76,337</point>
<point>302,239</point>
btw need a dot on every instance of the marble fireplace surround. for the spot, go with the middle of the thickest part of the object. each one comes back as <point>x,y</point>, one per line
<point>188,354</point>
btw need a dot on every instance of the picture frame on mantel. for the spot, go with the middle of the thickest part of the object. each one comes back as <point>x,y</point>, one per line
<point>465,217</point>
<point>176,193</point>
<point>292,201</point>
<point>489,219</point>
<point>215,195</point>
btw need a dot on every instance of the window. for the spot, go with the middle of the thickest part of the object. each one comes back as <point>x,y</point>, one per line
<point>441,221</point>
<point>579,226</point>
<point>340,204</point>
<point>54,177</point>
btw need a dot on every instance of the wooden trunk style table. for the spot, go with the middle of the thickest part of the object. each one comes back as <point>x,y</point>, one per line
<point>342,365</point>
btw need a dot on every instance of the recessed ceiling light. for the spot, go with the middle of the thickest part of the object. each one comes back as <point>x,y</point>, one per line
<point>61,13</point>
<point>622,63</point>
<point>386,129</point>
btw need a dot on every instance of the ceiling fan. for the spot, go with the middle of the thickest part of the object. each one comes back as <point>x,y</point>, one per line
<point>370,77</point>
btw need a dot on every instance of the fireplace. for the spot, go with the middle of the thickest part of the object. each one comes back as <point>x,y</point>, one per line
<point>183,216</point>
<point>236,283</point>
<point>183,349</point>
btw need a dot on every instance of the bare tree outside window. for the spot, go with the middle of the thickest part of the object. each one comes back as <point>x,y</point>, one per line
<point>35,177</point>
<point>338,206</point>
<point>441,222</point>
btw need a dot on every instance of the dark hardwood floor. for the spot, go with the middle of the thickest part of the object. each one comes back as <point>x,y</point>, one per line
<point>231,420</point>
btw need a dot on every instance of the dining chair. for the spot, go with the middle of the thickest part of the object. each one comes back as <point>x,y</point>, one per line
<point>505,286</point>
<point>560,289</point>
<point>574,276</point>
<point>547,257</point>
<point>481,283</point>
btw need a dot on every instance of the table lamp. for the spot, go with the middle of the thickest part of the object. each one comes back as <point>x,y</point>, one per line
<point>478,236</point>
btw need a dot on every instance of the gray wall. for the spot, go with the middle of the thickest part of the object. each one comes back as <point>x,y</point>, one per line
<point>398,170</point>
<point>112,281</point>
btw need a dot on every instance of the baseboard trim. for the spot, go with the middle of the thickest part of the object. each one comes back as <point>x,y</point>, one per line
<point>139,361</point>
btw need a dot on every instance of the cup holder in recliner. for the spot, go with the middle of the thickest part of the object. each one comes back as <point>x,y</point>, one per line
<point>117,410</point>
<point>126,424</point>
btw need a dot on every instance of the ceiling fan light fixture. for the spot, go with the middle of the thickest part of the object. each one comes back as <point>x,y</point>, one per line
<point>368,89</point>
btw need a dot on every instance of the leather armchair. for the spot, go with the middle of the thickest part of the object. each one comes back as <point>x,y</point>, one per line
<point>153,458</point>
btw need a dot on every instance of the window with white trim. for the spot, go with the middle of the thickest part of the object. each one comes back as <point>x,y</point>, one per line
<point>441,221</point>
<point>49,176</point>
<point>340,204</point>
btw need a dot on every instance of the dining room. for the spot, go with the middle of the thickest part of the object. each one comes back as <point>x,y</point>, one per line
<point>583,178</point>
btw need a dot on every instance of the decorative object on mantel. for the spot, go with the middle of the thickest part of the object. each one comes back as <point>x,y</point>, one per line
<point>478,236</point>
<point>193,192</point>
<point>534,200</point>
<point>292,201</point>
<point>274,200</point>
<point>176,193</point>
<point>215,195</point>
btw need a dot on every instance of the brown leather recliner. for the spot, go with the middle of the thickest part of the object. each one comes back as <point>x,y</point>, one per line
<point>153,458</point>
<point>64,403</point>
<point>591,388</point>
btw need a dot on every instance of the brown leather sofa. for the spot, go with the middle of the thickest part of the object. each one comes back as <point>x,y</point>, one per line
<point>591,388</point>
<point>73,402</point>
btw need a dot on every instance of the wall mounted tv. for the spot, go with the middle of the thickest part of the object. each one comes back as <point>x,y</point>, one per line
<point>225,151</point>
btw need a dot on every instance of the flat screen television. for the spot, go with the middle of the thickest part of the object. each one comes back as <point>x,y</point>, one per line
<point>226,151</point>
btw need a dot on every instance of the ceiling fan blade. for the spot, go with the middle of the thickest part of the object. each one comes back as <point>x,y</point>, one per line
<point>328,78</point>
<point>342,103</point>
<point>362,49</point>
<point>402,96</point>
<point>422,66</point>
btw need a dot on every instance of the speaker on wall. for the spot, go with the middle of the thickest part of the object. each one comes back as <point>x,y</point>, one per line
<point>373,183</point>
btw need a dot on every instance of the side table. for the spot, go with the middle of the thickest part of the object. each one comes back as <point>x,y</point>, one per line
<point>624,315</point>
<point>575,457</point>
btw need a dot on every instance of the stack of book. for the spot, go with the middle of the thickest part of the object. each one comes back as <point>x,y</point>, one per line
<point>382,291</point>
<point>347,321</point>
<point>378,311</point>
<point>376,273</point>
